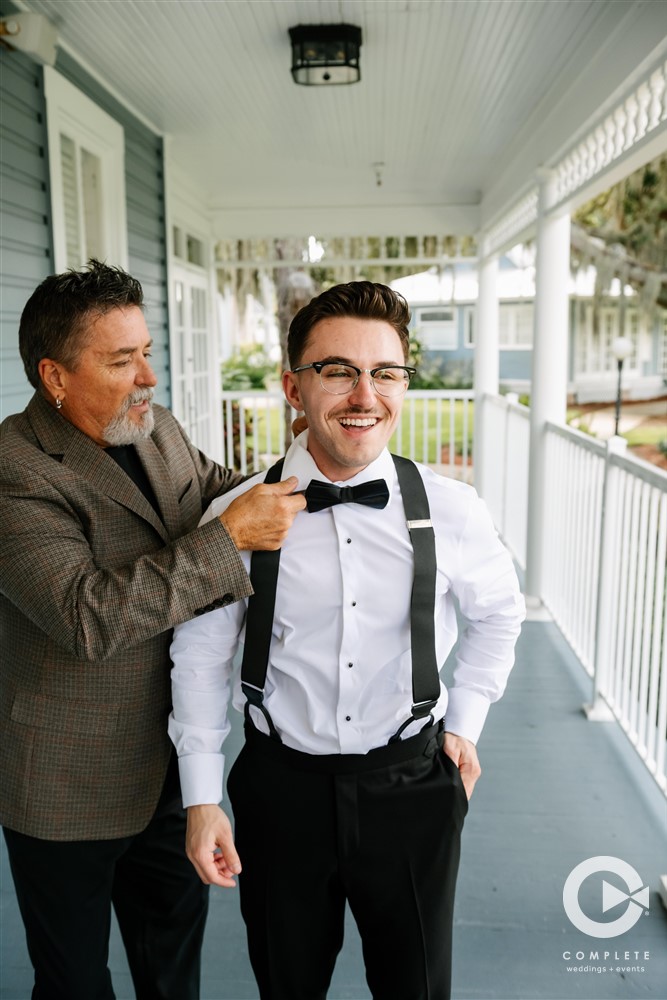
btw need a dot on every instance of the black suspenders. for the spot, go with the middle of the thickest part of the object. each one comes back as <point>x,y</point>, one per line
<point>259,622</point>
<point>425,674</point>
<point>264,575</point>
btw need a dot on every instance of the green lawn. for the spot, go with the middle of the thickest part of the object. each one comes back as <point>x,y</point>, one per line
<point>412,428</point>
<point>647,434</point>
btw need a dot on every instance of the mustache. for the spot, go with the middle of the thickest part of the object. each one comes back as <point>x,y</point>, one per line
<point>136,397</point>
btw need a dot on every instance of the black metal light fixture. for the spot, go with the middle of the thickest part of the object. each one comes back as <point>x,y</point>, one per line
<point>324,54</point>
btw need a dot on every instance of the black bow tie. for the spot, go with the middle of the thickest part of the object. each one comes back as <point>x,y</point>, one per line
<point>320,495</point>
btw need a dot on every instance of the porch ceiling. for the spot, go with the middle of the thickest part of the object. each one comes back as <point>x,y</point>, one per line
<point>451,91</point>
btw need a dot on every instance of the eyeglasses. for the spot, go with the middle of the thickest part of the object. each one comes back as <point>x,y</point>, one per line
<point>389,380</point>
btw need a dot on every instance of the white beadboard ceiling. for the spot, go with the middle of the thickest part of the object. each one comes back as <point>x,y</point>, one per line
<point>450,90</point>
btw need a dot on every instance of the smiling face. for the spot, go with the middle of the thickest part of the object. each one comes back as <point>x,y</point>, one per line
<point>107,395</point>
<point>347,432</point>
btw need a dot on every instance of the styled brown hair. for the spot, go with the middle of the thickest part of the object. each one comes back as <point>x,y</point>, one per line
<point>361,299</point>
<point>55,317</point>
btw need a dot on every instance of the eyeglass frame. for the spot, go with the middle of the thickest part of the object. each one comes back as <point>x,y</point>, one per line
<point>317,366</point>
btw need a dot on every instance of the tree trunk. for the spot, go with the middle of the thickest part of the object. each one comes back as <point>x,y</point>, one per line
<point>295,289</point>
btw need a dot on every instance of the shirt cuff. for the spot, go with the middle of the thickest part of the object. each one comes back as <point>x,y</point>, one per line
<point>201,777</point>
<point>466,713</point>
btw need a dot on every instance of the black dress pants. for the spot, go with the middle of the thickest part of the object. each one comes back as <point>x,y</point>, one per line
<point>381,831</point>
<point>65,891</point>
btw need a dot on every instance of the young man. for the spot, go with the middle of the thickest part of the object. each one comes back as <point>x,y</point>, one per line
<point>350,786</point>
<point>101,493</point>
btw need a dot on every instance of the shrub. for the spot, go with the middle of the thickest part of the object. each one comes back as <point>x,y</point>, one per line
<point>248,369</point>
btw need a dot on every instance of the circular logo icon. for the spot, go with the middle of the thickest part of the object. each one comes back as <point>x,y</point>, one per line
<point>636,897</point>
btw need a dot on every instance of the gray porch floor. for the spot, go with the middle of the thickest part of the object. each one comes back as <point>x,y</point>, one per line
<point>556,790</point>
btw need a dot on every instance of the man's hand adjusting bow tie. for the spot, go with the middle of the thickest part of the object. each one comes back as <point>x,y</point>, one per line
<point>320,495</point>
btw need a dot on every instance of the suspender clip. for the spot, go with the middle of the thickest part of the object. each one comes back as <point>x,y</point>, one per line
<point>419,711</point>
<point>422,708</point>
<point>426,523</point>
<point>254,694</point>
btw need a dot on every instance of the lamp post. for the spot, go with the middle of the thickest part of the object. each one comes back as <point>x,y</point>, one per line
<point>621,348</point>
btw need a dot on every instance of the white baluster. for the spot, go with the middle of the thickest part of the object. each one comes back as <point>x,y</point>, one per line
<point>657,108</point>
<point>610,131</point>
<point>643,100</point>
<point>599,148</point>
<point>619,119</point>
<point>631,124</point>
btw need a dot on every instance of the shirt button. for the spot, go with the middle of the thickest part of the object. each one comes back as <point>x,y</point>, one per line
<point>349,541</point>
<point>350,664</point>
<point>354,604</point>
<point>348,718</point>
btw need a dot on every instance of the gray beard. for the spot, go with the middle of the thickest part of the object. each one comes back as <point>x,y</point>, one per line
<point>122,430</point>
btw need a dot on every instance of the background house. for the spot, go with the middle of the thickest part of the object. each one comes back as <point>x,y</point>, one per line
<point>443,303</point>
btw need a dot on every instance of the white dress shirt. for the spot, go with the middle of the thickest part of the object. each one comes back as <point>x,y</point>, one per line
<point>340,677</point>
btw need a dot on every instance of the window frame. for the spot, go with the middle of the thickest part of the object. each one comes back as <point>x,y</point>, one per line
<point>513,318</point>
<point>70,111</point>
<point>445,333</point>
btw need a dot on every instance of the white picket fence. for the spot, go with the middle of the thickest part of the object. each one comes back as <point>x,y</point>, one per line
<point>606,552</point>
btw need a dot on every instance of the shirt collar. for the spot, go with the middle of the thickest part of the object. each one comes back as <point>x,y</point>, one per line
<point>300,463</point>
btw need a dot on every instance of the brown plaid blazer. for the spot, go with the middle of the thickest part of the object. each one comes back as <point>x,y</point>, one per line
<point>91,583</point>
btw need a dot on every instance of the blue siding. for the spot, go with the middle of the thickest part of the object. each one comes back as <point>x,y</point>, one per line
<point>26,255</point>
<point>26,248</point>
<point>515,364</point>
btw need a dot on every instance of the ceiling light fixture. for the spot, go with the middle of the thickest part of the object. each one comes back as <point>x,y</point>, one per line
<point>325,54</point>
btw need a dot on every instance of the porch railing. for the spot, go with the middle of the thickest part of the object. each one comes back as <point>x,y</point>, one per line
<point>605,561</point>
<point>505,425</point>
<point>606,568</point>
<point>435,428</point>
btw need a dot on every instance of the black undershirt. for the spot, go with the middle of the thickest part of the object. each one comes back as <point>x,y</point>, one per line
<point>125,455</point>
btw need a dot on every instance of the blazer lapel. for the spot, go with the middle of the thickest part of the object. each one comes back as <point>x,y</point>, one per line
<point>76,450</point>
<point>162,483</point>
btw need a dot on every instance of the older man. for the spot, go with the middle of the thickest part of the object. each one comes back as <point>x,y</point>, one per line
<point>354,779</point>
<point>100,556</point>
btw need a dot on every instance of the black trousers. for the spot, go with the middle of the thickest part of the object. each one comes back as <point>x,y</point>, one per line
<point>65,891</point>
<point>381,831</point>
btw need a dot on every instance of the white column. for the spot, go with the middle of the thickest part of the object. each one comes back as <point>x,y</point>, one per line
<point>548,393</point>
<point>487,364</point>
